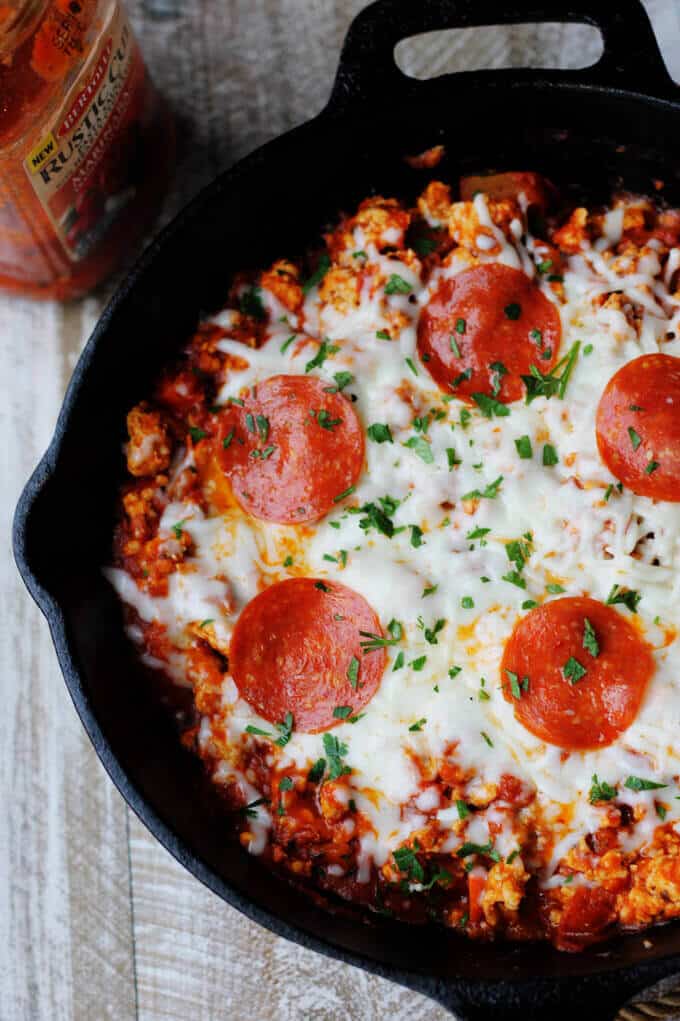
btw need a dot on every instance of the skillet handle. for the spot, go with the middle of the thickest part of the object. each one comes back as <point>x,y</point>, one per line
<point>367,71</point>
<point>603,996</point>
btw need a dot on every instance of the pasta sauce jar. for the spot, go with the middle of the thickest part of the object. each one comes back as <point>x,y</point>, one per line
<point>86,144</point>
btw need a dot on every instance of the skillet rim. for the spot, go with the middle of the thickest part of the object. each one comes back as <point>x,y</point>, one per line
<point>444,990</point>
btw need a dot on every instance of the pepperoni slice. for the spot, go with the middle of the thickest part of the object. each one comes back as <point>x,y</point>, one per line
<point>484,328</point>
<point>296,649</point>
<point>291,450</point>
<point>638,426</point>
<point>573,698</point>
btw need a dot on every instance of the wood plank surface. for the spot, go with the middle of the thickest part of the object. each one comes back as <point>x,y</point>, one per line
<point>97,921</point>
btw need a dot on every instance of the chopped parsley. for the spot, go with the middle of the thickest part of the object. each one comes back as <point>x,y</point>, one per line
<point>513,311</point>
<point>651,467</point>
<point>250,729</point>
<point>325,421</point>
<point>342,379</point>
<point>515,578</point>
<point>462,808</point>
<point>467,602</point>
<point>416,536</point>
<point>262,454</point>
<point>322,267</point>
<point>179,528</point>
<point>590,642</point>
<point>377,518</point>
<point>197,434</point>
<point>635,438</point>
<point>411,365</point>
<point>398,661</point>
<point>518,551</point>
<point>285,730</point>
<point>600,791</point>
<point>335,752</point>
<point>382,335</point>
<point>462,377</point>
<point>285,784</point>
<point>454,346</point>
<point>341,712</point>
<point>395,629</point>
<point>421,447</point>
<point>489,406</point>
<point>477,533</point>
<point>326,349</point>
<point>539,384</point>
<point>406,861</point>
<point>554,589</point>
<point>286,344</point>
<point>573,670</point>
<point>321,586</point>
<point>431,633</point>
<point>624,597</point>
<point>419,663</point>
<point>523,445</point>
<point>397,285</point>
<point>469,848</point>
<point>550,457</point>
<point>226,442</point>
<point>346,492</point>
<point>636,783</point>
<point>249,810</point>
<point>353,672</point>
<point>208,620</point>
<point>374,642</point>
<point>418,725</point>
<point>379,433</point>
<point>452,458</point>
<point>517,686</point>
<point>317,771</point>
<point>288,562</point>
<point>489,493</point>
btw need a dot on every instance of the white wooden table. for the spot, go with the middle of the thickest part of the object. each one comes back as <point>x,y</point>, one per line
<point>97,921</point>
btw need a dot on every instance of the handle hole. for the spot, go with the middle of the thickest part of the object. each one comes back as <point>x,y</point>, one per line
<point>551,44</point>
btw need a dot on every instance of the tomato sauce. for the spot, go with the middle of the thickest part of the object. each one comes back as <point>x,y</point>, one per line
<point>85,145</point>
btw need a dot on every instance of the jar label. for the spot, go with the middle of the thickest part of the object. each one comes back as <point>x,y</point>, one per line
<point>83,169</point>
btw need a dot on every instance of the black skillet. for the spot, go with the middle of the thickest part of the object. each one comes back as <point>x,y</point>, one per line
<point>618,120</point>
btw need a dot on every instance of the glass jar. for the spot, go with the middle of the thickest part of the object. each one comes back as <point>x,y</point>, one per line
<point>86,144</point>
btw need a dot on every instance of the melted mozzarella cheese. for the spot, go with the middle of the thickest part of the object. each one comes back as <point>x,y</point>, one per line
<point>580,541</point>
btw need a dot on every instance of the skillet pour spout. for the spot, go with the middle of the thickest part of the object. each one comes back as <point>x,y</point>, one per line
<point>615,122</point>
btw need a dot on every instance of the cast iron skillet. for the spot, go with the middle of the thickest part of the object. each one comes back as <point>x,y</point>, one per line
<point>617,119</point>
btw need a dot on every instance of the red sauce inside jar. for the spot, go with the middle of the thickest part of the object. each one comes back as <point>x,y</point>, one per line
<point>85,144</point>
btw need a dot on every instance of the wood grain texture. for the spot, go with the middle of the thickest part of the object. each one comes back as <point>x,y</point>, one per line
<point>97,921</point>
